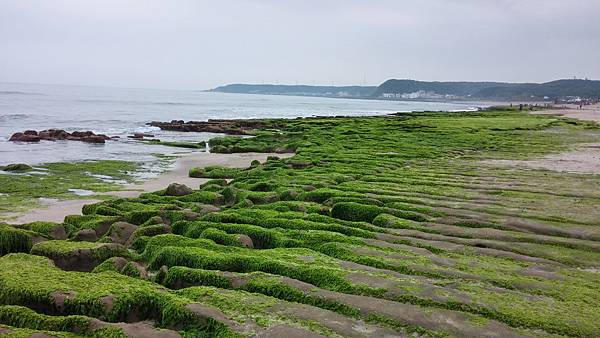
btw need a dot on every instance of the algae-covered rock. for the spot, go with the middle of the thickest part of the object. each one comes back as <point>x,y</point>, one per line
<point>17,167</point>
<point>78,256</point>
<point>120,232</point>
<point>176,189</point>
<point>86,235</point>
<point>245,241</point>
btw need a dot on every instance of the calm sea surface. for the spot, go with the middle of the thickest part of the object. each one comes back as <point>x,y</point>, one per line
<point>121,112</point>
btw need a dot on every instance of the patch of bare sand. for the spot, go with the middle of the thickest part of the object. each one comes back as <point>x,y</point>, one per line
<point>584,160</point>
<point>586,113</point>
<point>55,211</point>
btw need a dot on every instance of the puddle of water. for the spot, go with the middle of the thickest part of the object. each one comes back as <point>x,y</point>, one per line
<point>82,192</point>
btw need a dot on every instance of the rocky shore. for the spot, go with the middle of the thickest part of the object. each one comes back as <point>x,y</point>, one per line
<point>57,135</point>
<point>230,127</point>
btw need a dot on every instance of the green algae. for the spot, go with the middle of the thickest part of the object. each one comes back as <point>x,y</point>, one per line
<point>395,208</point>
<point>20,191</point>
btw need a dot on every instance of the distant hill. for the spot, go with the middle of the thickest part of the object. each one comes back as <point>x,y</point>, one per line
<point>423,90</point>
<point>441,88</point>
<point>298,90</point>
<point>502,91</point>
<point>559,89</point>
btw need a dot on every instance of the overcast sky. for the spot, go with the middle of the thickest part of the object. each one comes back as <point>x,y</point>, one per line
<point>195,44</point>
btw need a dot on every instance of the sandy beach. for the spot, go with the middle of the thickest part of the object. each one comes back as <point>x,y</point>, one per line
<point>585,159</point>
<point>55,210</point>
<point>586,113</point>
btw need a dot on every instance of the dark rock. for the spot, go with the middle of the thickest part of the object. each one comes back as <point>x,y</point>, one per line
<point>140,135</point>
<point>190,215</point>
<point>18,167</point>
<point>21,137</point>
<point>119,262</point>
<point>82,133</point>
<point>143,273</point>
<point>59,232</point>
<point>207,208</point>
<point>86,235</point>
<point>53,134</point>
<point>176,189</point>
<point>121,231</point>
<point>83,259</point>
<point>231,127</point>
<point>58,134</point>
<point>94,139</point>
<point>245,241</point>
<point>59,298</point>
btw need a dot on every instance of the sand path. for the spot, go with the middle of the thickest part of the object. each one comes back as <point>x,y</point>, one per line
<point>55,210</point>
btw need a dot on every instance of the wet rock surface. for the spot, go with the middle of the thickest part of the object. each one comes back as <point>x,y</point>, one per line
<point>58,135</point>
<point>86,235</point>
<point>231,127</point>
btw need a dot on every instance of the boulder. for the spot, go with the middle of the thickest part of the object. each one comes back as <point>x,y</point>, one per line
<point>53,134</point>
<point>142,272</point>
<point>119,262</point>
<point>207,208</point>
<point>21,137</point>
<point>58,134</point>
<point>17,167</point>
<point>86,235</point>
<point>121,231</point>
<point>140,136</point>
<point>190,215</point>
<point>176,189</point>
<point>94,139</point>
<point>82,133</point>
<point>245,241</point>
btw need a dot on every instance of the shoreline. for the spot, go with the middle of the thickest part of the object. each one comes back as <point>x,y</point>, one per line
<point>583,160</point>
<point>56,210</point>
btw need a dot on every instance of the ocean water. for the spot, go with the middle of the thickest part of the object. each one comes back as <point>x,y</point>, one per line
<point>121,112</point>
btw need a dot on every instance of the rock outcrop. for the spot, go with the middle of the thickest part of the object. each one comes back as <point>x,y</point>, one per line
<point>231,127</point>
<point>57,135</point>
<point>176,189</point>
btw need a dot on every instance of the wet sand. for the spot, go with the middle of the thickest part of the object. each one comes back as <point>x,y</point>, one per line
<point>586,113</point>
<point>583,160</point>
<point>56,210</point>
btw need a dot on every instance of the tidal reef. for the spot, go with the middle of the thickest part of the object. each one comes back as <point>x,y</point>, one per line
<point>232,127</point>
<point>390,226</point>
